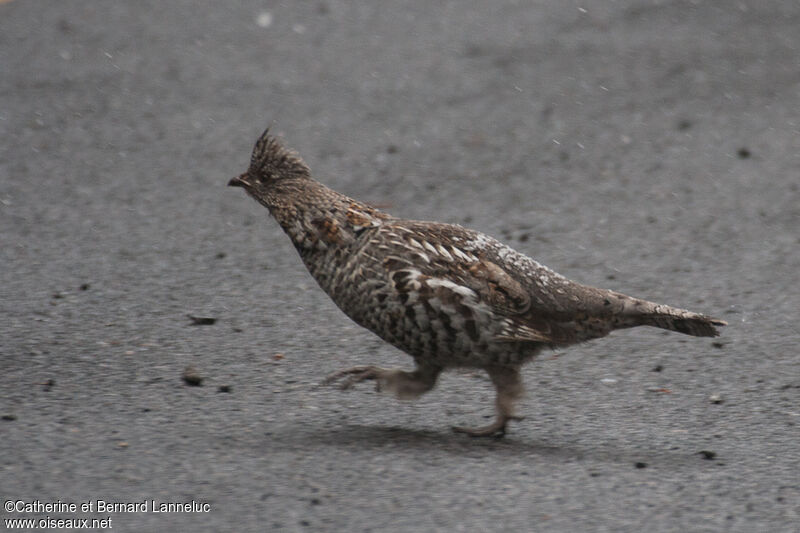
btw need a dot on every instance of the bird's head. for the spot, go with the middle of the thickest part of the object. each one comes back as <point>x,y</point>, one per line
<point>270,162</point>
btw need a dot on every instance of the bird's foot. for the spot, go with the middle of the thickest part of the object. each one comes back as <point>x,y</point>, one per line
<point>495,429</point>
<point>355,375</point>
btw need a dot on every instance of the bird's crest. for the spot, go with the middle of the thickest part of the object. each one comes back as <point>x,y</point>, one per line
<point>273,160</point>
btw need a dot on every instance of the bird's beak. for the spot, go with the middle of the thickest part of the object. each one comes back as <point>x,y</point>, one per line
<point>239,181</point>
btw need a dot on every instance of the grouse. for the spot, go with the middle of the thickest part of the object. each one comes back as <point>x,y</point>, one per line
<point>446,295</point>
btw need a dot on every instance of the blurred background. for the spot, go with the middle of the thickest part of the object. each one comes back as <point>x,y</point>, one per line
<point>645,146</point>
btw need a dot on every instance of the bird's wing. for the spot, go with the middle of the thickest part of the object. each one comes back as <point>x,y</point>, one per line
<point>441,263</point>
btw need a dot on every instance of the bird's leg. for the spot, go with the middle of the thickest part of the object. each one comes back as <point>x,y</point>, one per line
<point>508,383</point>
<point>404,385</point>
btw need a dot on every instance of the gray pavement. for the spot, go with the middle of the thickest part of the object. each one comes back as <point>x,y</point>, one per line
<point>649,147</point>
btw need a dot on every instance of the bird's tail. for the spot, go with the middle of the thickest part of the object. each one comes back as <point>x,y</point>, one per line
<point>686,322</point>
<point>644,313</point>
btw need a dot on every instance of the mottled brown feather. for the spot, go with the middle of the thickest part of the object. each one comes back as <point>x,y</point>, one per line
<point>447,295</point>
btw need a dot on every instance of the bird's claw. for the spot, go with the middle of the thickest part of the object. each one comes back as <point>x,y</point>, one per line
<point>354,375</point>
<point>496,429</point>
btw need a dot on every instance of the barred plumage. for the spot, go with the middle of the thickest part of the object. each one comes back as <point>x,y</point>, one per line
<point>446,295</point>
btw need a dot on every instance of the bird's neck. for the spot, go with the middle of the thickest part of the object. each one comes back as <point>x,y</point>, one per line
<point>316,217</point>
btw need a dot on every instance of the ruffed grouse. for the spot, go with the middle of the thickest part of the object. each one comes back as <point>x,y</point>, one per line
<point>446,295</point>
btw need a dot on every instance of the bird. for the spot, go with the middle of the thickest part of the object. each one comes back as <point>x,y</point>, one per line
<point>449,296</point>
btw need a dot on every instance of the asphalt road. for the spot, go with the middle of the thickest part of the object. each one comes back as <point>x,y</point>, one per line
<point>651,147</point>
